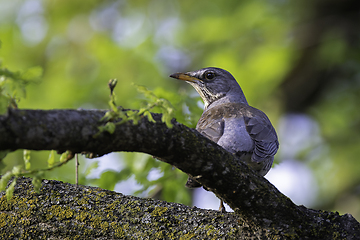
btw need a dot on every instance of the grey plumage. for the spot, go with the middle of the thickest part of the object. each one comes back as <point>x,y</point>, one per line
<point>229,121</point>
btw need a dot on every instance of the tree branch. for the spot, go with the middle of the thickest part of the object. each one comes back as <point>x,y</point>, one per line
<point>251,196</point>
<point>66,211</point>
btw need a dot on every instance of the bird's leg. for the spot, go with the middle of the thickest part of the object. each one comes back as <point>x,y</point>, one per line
<point>222,207</point>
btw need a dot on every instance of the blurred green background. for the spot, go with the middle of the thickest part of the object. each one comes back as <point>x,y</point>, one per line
<point>298,61</point>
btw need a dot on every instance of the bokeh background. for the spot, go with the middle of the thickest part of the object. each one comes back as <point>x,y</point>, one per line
<point>298,61</point>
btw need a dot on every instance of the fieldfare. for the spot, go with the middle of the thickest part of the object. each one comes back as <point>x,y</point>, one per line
<point>229,121</point>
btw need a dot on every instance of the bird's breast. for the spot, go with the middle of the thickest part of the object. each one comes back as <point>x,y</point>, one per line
<point>225,125</point>
<point>235,137</point>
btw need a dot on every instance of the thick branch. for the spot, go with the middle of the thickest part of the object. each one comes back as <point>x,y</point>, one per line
<point>66,211</point>
<point>250,195</point>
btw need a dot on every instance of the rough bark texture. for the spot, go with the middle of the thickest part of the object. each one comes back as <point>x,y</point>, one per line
<point>63,210</point>
<point>255,201</point>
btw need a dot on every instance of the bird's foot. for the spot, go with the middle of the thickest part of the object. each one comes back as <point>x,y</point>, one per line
<point>222,207</point>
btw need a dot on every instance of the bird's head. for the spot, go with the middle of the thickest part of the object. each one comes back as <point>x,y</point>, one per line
<point>213,84</point>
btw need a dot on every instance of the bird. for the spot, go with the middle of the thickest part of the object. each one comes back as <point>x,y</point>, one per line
<point>230,121</point>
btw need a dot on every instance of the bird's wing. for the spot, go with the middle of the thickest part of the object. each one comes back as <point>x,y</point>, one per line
<point>211,127</point>
<point>258,126</point>
<point>263,133</point>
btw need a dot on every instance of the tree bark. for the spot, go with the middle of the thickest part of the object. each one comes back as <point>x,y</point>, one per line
<point>256,202</point>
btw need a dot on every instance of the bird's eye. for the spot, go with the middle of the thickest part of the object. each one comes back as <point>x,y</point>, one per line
<point>209,75</point>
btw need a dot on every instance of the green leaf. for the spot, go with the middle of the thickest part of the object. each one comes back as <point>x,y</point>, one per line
<point>51,159</point>
<point>149,116</point>
<point>16,170</point>
<point>134,116</point>
<point>109,127</point>
<point>167,120</point>
<point>37,181</point>
<point>112,105</point>
<point>10,189</point>
<point>108,116</point>
<point>27,159</point>
<point>64,157</point>
<point>3,104</point>
<point>4,180</point>
<point>32,74</point>
<point>3,154</point>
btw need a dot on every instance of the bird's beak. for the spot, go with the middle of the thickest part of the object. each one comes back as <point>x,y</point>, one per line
<point>184,77</point>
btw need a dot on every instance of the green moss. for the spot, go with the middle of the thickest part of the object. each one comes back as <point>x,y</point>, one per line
<point>160,235</point>
<point>158,211</point>
<point>187,236</point>
<point>82,216</point>
<point>61,212</point>
<point>114,205</point>
<point>3,219</point>
<point>117,229</point>
<point>96,222</point>
<point>211,231</point>
<point>119,233</point>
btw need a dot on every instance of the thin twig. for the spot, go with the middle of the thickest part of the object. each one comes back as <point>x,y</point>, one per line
<point>77,169</point>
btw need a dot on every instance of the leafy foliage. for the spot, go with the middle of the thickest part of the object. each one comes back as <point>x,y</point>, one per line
<point>134,116</point>
<point>12,86</point>
<point>143,166</point>
<point>23,170</point>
